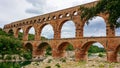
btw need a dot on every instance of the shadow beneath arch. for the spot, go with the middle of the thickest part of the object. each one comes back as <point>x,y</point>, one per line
<point>28,51</point>
<point>11,32</point>
<point>118,53</point>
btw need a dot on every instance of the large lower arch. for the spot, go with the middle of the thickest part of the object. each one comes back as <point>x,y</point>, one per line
<point>117,53</point>
<point>83,52</point>
<point>67,29</point>
<point>11,32</point>
<point>44,49</point>
<point>62,49</point>
<point>95,27</point>
<point>28,47</point>
<point>28,52</point>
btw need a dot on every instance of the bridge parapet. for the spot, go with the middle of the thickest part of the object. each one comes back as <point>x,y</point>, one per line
<point>102,37</point>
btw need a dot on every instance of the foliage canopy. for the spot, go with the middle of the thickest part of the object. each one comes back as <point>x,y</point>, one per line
<point>111,7</point>
<point>12,46</point>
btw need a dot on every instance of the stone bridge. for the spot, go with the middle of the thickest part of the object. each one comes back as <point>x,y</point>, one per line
<point>81,44</point>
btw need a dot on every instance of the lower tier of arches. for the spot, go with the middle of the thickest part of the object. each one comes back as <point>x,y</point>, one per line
<point>80,48</point>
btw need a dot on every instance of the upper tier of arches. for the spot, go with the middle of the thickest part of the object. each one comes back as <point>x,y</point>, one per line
<point>58,25</point>
<point>69,12</point>
<point>56,20</point>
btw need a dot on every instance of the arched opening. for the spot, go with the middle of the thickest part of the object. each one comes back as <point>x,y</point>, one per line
<point>67,14</point>
<point>20,33</point>
<point>68,29</point>
<point>11,32</point>
<point>29,47</point>
<point>66,49</point>
<point>75,13</point>
<point>44,49</point>
<point>118,53</point>
<point>31,33</point>
<point>28,51</point>
<point>95,28</point>
<point>49,18</point>
<point>54,17</point>
<point>94,51</point>
<point>60,16</point>
<point>117,32</point>
<point>47,32</point>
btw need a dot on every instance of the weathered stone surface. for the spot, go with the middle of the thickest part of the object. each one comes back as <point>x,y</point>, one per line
<point>58,45</point>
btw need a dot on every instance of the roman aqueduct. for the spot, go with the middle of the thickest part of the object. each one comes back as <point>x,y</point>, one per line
<point>110,42</point>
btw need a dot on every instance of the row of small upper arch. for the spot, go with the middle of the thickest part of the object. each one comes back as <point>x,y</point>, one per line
<point>44,19</point>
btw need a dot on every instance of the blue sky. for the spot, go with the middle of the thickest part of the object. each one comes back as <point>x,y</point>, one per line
<point>14,10</point>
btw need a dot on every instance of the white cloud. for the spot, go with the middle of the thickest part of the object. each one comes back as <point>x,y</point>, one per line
<point>47,32</point>
<point>13,10</point>
<point>117,32</point>
<point>46,6</point>
<point>32,30</point>
<point>68,30</point>
<point>98,44</point>
<point>96,27</point>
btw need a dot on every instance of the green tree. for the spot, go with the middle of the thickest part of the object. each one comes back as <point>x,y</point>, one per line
<point>48,50</point>
<point>95,49</point>
<point>3,33</point>
<point>70,47</point>
<point>20,35</point>
<point>10,45</point>
<point>31,37</point>
<point>111,7</point>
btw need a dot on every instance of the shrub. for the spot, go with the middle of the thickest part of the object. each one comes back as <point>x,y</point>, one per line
<point>101,66</point>
<point>49,61</point>
<point>37,63</point>
<point>9,65</point>
<point>48,51</point>
<point>8,57</point>
<point>0,57</point>
<point>100,55</point>
<point>63,59</point>
<point>48,67</point>
<point>89,54</point>
<point>58,65</point>
<point>24,63</point>
<point>27,56</point>
<point>14,58</point>
<point>82,62</point>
